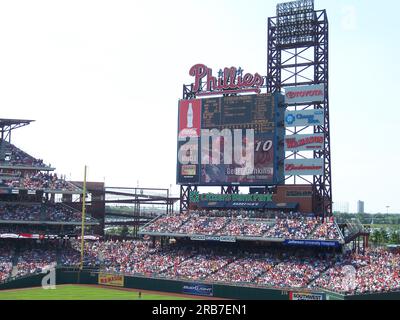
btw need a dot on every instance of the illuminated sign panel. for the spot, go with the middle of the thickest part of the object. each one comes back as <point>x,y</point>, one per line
<point>231,140</point>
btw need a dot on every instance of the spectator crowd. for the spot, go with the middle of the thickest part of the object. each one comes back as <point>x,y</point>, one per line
<point>292,226</point>
<point>39,212</point>
<point>13,156</point>
<point>375,271</point>
<point>35,180</point>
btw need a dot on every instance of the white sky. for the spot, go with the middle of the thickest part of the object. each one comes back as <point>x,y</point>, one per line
<point>102,79</point>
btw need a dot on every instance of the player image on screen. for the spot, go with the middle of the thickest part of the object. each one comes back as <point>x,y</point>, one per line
<point>243,173</point>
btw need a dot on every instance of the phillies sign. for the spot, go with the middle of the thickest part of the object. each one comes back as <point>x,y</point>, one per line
<point>230,80</point>
<point>304,142</point>
<point>305,94</point>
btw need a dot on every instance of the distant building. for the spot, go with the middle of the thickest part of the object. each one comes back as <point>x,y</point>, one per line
<point>360,206</point>
<point>341,207</point>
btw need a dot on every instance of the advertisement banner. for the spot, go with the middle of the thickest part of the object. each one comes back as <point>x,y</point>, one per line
<point>304,142</point>
<point>196,197</point>
<point>305,94</point>
<point>304,167</point>
<point>306,296</point>
<point>188,168</point>
<point>189,118</point>
<point>311,243</point>
<point>111,280</point>
<point>198,289</point>
<point>304,118</point>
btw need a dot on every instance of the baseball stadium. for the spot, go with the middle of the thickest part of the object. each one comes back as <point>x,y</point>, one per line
<point>253,219</point>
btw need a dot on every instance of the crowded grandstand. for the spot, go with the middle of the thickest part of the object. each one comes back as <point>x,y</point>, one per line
<point>377,270</point>
<point>237,246</point>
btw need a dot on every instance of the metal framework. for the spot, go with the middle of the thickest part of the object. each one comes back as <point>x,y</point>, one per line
<point>298,55</point>
<point>8,125</point>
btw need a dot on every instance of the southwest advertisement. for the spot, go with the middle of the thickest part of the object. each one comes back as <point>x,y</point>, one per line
<point>306,296</point>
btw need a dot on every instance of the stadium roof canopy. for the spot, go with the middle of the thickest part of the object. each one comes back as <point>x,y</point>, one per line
<point>7,125</point>
<point>13,123</point>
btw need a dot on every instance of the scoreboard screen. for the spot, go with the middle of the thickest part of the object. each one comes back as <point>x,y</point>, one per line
<point>252,122</point>
<point>240,112</point>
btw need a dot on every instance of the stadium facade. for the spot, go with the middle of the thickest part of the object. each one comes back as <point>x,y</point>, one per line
<point>262,143</point>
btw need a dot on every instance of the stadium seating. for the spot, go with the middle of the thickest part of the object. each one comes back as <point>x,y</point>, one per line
<point>6,254</point>
<point>293,226</point>
<point>13,156</point>
<point>375,271</point>
<point>35,180</point>
<point>39,212</point>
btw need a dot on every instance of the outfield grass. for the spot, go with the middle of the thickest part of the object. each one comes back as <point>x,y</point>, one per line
<point>71,292</point>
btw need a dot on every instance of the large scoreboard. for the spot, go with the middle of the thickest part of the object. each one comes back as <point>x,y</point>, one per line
<point>231,140</point>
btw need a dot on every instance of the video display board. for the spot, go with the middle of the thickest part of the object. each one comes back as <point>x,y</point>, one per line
<point>230,140</point>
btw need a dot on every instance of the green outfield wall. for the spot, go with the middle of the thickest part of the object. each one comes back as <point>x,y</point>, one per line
<point>174,286</point>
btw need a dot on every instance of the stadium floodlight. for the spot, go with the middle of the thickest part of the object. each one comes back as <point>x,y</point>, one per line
<point>295,22</point>
<point>294,7</point>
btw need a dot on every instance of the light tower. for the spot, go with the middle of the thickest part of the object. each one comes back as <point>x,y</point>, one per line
<point>298,56</point>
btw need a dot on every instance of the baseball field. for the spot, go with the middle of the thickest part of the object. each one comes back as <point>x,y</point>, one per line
<point>74,292</point>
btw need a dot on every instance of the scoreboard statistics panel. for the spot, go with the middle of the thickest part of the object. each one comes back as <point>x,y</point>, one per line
<point>241,112</point>
<point>257,112</point>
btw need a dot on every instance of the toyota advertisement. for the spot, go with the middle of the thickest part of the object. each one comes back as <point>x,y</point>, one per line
<point>304,94</point>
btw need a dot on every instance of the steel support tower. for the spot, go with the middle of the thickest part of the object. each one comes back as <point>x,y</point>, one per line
<point>298,55</point>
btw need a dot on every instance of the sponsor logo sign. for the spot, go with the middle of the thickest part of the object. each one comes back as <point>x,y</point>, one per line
<point>312,243</point>
<point>304,94</point>
<point>213,238</point>
<point>304,167</point>
<point>196,197</point>
<point>306,296</point>
<point>198,289</point>
<point>304,118</point>
<point>298,194</point>
<point>304,142</point>
<point>188,170</point>
<point>111,280</point>
<point>189,118</point>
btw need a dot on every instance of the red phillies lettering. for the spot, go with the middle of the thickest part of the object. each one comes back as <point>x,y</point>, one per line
<point>230,79</point>
<point>198,71</point>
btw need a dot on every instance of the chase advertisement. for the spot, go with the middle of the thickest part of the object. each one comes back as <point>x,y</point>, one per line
<point>304,118</point>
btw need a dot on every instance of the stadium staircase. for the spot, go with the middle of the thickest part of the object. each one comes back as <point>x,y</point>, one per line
<point>312,231</point>
<point>14,260</point>
<point>353,229</point>
<point>223,227</point>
